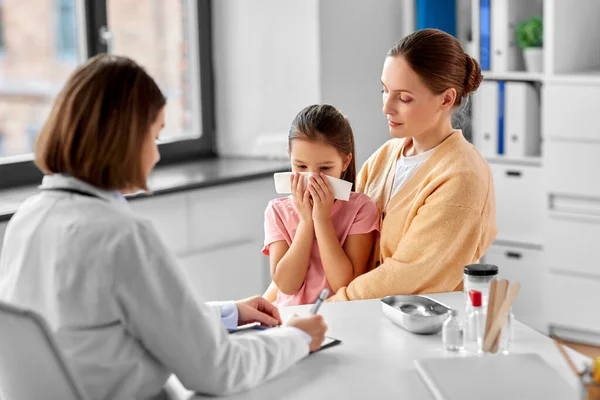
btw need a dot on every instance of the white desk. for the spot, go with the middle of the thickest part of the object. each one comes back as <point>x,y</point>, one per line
<point>375,360</point>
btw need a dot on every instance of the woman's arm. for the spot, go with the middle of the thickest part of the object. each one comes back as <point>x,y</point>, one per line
<point>429,259</point>
<point>290,263</point>
<point>187,336</point>
<point>455,226</point>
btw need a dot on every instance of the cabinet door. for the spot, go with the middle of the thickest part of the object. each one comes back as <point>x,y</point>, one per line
<point>572,168</point>
<point>227,213</point>
<point>572,242</point>
<point>169,214</point>
<point>573,304</point>
<point>526,267</point>
<point>230,272</point>
<point>520,203</point>
<point>571,112</point>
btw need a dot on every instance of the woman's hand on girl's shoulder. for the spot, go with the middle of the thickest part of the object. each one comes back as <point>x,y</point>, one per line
<point>322,196</point>
<point>301,197</point>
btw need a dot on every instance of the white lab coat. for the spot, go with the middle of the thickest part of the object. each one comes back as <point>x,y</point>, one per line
<point>121,311</point>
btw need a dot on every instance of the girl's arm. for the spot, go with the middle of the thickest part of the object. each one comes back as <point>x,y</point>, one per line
<point>341,265</point>
<point>271,293</point>
<point>290,263</point>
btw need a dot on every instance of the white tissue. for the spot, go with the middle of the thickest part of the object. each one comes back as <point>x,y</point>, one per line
<point>341,189</point>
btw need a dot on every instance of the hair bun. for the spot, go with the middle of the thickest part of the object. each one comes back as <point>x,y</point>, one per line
<point>474,77</point>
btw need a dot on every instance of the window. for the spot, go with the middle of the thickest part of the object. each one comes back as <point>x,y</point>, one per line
<point>44,44</point>
<point>31,73</point>
<point>66,29</point>
<point>156,34</point>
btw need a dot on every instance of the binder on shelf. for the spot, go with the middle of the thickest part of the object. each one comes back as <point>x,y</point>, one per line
<point>486,118</point>
<point>484,34</point>
<point>439,14</point>
<point>505,55</point>
<point>522,130</point>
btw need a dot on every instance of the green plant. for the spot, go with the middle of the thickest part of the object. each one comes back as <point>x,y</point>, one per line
<point>530,33</point>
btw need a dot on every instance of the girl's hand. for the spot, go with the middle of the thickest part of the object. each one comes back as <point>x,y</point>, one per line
<point>322,196</point>
<point>301,197</point>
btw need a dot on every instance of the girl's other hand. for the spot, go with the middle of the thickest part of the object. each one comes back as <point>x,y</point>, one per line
<point>301,197</point>
<point>322,196</point>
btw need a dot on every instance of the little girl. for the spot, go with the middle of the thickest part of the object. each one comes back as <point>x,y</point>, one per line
<point>313,241</point>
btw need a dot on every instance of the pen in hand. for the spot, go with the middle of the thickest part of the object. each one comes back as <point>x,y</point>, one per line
<point>322,297</point>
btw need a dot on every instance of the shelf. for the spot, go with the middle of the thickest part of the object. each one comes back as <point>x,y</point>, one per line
<point>514,76</point>
<point>527,161</point>
<point>579,77</point>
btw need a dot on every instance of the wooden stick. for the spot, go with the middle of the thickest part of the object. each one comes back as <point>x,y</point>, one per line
<point>490,308</point>
<point>566,356</point>
<point>500,319</point>
<point>501,292</point>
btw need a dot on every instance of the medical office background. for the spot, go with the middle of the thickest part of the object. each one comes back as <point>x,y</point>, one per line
<point>237,71</point>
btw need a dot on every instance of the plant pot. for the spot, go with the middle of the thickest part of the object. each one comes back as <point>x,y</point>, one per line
<point>534,59</point>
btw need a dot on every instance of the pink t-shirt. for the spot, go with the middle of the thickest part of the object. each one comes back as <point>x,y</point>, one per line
<point>356,216</point>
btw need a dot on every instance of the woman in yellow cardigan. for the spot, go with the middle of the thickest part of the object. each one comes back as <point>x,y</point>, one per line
<point>434,190</point>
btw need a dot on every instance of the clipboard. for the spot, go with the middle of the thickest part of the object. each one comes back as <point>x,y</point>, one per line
<point>327,343</point>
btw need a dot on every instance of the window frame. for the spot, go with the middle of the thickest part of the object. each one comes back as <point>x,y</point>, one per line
<point>23,171</point>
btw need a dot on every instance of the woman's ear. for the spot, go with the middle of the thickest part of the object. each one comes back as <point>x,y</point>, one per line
<point>448,98</point>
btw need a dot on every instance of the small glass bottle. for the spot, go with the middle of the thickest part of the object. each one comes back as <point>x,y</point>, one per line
<point>508,334</point>
<point>453,332</point>
<point>476,320</point>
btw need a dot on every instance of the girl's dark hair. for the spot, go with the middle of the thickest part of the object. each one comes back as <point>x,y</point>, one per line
<point>440,61</point>
<point>326,123</point>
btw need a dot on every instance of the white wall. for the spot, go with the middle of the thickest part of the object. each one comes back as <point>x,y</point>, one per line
<point>274,57</point>
<point>355,37</point>
<point>266,68</point>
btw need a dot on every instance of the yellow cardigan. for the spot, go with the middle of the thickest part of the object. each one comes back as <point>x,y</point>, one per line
<point>441,220</point>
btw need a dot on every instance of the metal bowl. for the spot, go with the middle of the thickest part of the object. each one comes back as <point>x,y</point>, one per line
<point>415,313</point>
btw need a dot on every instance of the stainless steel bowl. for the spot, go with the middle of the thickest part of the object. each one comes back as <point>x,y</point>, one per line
<point>415,313</point>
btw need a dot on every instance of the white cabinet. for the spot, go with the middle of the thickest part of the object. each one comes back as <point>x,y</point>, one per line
<point>525,266</point>
<point>217,234</point>
<point>572,167</point>
<point>555,206</point>
<point>231,272</point>
<point>572,245</point>
<point>571,111</point>
<point>520,203</point>
<point>224,260</point>
<point>229,213</point>
<point>573,307</point>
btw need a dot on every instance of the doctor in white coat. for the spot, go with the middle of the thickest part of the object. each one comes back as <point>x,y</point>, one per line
<point>100,275</point>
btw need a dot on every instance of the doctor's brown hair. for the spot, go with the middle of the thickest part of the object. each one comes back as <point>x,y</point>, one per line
<point>99,123</point>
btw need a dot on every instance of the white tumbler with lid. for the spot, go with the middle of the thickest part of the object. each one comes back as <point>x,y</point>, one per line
<point>478,277</point>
